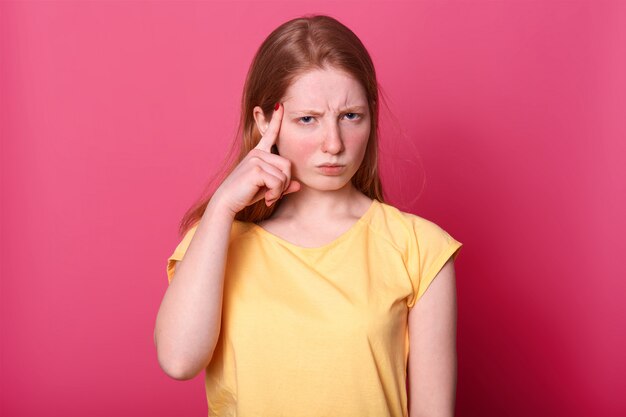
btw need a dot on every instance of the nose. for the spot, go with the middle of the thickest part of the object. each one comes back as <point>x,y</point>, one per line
<point>332,139</point>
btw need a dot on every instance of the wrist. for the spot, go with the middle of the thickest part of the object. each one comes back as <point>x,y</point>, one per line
<point>215,207</point>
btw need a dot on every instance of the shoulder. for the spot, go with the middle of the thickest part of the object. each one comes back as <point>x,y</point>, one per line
<point>428,248</point>
<point>238,229</point>
<point>399,226</point>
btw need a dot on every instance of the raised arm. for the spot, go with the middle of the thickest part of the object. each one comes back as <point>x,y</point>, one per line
<point>188,322</point>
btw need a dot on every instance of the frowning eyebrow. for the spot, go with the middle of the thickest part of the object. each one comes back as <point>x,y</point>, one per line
<point>352,109</point>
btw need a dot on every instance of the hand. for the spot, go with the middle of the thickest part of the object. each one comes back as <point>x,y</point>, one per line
<point>261,174</point>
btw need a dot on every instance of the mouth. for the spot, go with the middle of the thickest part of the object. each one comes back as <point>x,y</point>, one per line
<point>331,169</point>
<point>330,165</point>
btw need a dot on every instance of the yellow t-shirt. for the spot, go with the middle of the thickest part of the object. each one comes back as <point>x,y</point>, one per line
<point>321,331</point>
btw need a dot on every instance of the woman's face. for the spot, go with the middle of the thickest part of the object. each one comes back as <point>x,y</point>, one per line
<point>326,120</point>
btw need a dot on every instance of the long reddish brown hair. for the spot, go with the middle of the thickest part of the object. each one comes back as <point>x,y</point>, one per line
<point>295,47</point>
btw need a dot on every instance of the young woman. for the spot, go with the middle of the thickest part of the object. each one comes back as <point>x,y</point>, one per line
<point>295,287</point>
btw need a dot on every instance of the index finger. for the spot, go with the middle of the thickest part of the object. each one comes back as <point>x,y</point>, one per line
<point>269,138</point>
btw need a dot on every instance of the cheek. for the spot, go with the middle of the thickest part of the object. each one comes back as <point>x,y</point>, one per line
<point>295,146</point>
<point>357,139</point>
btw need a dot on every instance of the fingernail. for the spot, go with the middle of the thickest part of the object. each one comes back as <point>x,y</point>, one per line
<point>276,106</point>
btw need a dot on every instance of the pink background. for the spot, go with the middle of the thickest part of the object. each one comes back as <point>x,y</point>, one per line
<point>510,120</point>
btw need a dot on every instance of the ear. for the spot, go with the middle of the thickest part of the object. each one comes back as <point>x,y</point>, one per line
<point>259,118</point>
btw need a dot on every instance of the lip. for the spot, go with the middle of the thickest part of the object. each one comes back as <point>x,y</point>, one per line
<point>331,169</point>
<point>330,165</point>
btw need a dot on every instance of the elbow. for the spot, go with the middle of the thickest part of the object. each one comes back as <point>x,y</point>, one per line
<point>181,375</point>
<point>174,366</point>
<point>179,365</point>
<point>176,369</point>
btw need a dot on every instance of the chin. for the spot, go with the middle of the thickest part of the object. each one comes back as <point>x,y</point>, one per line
<point>329,183</point>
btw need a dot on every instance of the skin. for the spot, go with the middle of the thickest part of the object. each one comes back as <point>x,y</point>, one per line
<point>432,367</point>
<point>338,134</point>
<point>326,206</point>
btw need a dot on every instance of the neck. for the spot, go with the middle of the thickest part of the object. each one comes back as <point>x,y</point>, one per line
<point>312,205</point>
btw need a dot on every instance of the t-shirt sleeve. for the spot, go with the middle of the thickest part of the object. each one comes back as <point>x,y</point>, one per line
<point>428,250</point>
<point>179,252</point>
<point>237,229</point>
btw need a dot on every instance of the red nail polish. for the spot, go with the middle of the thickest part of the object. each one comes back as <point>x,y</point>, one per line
<point>276,106</point>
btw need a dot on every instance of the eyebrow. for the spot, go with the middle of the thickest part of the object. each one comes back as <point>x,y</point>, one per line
<point>350,109</point>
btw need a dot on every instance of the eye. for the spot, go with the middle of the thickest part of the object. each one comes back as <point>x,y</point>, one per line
<point>354,116</point>
<point>305,119</point>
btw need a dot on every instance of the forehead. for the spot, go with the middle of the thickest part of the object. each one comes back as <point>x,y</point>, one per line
<point>325,88</point>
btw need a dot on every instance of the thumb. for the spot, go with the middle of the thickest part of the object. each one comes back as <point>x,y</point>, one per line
<point>293,187</point>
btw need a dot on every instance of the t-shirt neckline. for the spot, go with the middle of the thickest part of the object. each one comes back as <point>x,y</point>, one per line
<point>357,225</point>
